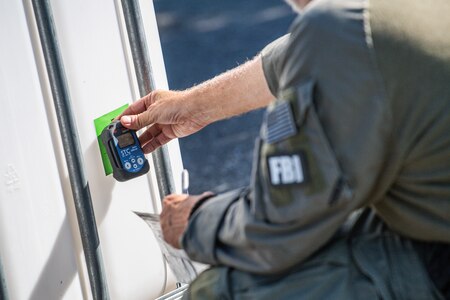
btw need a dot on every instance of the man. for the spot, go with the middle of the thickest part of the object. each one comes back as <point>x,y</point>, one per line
<point>350,194</point>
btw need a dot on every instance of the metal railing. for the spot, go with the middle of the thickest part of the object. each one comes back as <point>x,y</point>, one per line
<point>175,294</point>
<point>144,75</point>
<point>72,150</point>
<point>142,66</point>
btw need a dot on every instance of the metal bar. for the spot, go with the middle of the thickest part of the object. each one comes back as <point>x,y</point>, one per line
<point>3,289</point>
<point>72,149</point>
<point>142,66</point>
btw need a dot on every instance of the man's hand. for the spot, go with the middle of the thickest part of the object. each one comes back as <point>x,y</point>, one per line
<point>175,215</point>
<point>168,116</point>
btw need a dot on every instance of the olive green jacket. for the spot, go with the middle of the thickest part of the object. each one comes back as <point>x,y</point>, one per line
<point>362,119</point>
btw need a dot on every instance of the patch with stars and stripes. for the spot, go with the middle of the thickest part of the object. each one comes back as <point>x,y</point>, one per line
<point>280,123</point>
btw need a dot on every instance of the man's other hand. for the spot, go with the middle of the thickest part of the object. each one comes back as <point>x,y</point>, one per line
<point>175,215</point>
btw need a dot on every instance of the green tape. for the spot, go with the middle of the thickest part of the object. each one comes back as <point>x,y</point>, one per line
<point>100,124</point>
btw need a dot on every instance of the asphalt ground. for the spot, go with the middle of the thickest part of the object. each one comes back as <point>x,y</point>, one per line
<point>201,39</point>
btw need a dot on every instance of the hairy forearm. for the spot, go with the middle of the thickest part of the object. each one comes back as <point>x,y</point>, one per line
<point>232,93</point>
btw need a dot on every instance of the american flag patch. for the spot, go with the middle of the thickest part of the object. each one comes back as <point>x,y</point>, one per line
<point>280,123</point>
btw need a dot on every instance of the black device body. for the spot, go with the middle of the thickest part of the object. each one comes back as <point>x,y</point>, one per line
<point>124,152</point>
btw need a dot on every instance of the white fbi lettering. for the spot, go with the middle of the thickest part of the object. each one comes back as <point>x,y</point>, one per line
<point>285,169</point>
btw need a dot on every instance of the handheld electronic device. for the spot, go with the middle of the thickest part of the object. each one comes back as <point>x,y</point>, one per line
<point>124,152</point>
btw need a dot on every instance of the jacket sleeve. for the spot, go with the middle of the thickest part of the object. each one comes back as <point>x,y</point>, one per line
<point>272,59</point>
<point>322,152</point>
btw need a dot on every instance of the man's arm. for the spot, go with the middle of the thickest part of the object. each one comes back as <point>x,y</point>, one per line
<point>174,114</point>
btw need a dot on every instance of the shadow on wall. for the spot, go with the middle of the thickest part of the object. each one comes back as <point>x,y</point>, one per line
<point>61,268</point>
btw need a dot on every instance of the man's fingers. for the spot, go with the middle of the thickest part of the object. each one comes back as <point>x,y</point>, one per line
<point>138,107</point>
<point>170,198</point>
<point>156,137</point>
<point>134,109</point>
<point>140,110</point>
<point>155,143</point>
<point>169,203</point>
<point>149,134</point>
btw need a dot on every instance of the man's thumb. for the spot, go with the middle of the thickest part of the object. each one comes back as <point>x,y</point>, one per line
<point>135,122</point>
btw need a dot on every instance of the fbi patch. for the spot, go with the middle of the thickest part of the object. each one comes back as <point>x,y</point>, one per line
<point>286,169</point>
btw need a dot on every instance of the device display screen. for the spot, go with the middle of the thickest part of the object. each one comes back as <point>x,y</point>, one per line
<point>125,140</point>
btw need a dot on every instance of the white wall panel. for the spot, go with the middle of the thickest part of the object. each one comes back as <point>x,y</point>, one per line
<point>35,237</point>
<point>39,239</point>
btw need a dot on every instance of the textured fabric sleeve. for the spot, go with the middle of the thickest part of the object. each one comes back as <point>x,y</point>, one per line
<point>272,57</point>
<point>324,144</point>
<point>199,241</point>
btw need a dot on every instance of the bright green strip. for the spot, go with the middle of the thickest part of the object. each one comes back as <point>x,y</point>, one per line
<point>100,124</point>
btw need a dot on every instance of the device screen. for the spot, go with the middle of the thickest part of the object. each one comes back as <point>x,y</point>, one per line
<point>125,140</point>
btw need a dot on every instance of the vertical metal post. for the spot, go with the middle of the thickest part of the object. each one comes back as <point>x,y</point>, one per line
<point>3,289</point>
<point>72,149</point>
<point>142,66</point>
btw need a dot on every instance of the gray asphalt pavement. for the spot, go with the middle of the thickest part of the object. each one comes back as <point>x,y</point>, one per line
<point>201,39</point>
